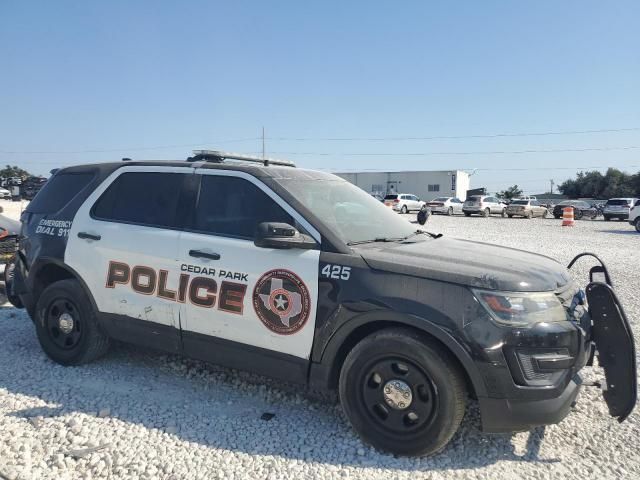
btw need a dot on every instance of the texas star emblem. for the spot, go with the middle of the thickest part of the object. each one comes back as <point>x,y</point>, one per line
<point>281,301</point>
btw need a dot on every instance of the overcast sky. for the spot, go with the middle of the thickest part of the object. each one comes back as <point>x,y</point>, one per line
<point>85,81</point>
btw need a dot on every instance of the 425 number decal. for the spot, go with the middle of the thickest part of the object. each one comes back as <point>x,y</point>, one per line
<point>337,272</point>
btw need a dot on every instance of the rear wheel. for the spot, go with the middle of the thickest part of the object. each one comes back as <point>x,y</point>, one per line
<point>528,215</point>
<point>450,211</point>
<point>66,325</point>
<point>404,209</point>
<point>607,218</point>
<point>402,393</point>
<point>577,214</point>
<point>486,212</point>
<point>466,214</point>
<point>637,224</point>
<point>510,216</point>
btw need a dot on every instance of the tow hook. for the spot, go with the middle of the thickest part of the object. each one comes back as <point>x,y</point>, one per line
<point>595,383</point>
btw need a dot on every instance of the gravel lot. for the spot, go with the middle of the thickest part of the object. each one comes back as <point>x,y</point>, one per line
<point>164,417</point>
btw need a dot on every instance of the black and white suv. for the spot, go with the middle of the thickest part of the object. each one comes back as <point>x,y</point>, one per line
<point>301,275</point>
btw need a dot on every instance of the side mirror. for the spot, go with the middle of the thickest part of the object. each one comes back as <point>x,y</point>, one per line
<point>282,235</point>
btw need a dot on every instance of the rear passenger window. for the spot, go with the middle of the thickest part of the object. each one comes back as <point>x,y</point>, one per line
<point>233,207</point>
<point>59,191</point>
<point>142,198</point>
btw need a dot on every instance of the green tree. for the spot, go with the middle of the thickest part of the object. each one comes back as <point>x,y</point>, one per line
<point>14,171</point>
<point>614,183</point>
<point>510,192</point>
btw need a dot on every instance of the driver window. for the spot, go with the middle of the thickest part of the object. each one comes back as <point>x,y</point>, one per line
<point>233,207</point>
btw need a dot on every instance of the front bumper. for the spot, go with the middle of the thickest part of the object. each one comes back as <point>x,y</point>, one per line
<point>500,415</point>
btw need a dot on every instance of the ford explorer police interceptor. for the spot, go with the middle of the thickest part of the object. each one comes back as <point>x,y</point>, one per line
<point>300,275</point>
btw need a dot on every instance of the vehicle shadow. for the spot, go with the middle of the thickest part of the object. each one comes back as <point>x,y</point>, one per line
<point>631,231</point>
<point>212,406</point>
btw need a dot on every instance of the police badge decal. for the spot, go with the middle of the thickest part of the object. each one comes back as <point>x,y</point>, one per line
<point>282,301</point>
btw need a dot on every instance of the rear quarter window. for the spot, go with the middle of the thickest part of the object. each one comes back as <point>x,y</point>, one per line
<point>59,191</point>
<point>391,197</point>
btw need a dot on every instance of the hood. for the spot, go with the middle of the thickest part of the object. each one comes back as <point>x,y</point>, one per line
<point>13,226</point>
<point>464,262</point>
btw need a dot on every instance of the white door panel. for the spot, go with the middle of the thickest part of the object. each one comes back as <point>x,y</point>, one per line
<point>241,266</point>
<point>124,269</point>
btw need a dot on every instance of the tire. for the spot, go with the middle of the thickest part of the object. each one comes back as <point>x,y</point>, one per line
<point>466,214</point>
<point>637,224</point>
<point>486,212</point>
<point>577,214</point>
<point>14,300</point>
<point>450,211</point>
<point>528,215</point>
<point>404,209</point>
<point>503,214</point>
<point>510,216</point>
<point>607,218</point>
<point>556,217</point>
<point>545,213</point>
<point>425,369</point>
<point>85,341</point>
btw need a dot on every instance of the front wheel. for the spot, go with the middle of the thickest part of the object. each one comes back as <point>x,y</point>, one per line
<point>66,324</point>
<point>486,212</point>
<point>450,211</point>
<point>637,224</point>
<point>403,393</point>
<point>607,219</point>
<point>404,209</point>
<point>467,214</point>
<point>577,214</point>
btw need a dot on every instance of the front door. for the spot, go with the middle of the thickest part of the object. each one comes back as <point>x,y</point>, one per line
<point>261,297</point>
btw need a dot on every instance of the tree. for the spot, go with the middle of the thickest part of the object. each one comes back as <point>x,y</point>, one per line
<point>614,183</point>
<point>14,171</point>
<point>510,192</point>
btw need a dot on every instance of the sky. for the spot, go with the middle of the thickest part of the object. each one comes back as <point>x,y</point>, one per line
<point>339,86</point>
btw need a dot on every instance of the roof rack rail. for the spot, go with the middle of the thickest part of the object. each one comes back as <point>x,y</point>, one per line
<point>214,156</point>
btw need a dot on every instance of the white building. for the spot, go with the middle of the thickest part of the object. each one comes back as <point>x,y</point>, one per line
<point>426,185</point>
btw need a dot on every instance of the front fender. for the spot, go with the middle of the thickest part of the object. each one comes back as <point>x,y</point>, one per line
<point>325,368</point>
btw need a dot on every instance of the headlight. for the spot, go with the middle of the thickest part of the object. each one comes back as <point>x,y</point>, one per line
<point>521,309</point>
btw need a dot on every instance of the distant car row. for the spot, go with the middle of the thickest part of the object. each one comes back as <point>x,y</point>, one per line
<point>526,207</point>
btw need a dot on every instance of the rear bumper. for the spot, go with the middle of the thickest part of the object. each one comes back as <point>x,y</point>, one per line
<point>618,214</point>
<point>500,415</point>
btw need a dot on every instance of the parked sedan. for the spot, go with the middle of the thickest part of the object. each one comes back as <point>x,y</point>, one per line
<point>446,205</point>
<point>526,208</point>
<point>580,209</point>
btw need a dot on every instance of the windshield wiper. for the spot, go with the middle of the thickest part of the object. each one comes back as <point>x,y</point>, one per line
<point>395,239</point>
<point>376,240</point>
<point>422,232</point>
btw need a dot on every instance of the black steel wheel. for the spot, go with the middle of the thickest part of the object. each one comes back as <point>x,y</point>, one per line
<point>402,392</point>
<point>66,324</point>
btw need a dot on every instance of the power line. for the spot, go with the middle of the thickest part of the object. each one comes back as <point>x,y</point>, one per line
<point>128,149</point>
<point>494,152</point>
<point>456,137</point>
<point>433,137</point>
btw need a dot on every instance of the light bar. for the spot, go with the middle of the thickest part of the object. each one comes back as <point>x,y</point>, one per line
<point>215,156</point>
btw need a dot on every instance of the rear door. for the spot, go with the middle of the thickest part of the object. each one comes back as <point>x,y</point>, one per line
<point>124,245</point>
<point>260,297</point>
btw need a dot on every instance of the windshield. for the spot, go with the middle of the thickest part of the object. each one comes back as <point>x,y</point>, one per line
<point>520,202</point>
<point>440,199</point>
<point>619,201</point>
<point>351,213</point>
<point>391,197</point>
<point>473,198</point>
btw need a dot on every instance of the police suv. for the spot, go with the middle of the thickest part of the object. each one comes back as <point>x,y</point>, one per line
<point>297,274</point>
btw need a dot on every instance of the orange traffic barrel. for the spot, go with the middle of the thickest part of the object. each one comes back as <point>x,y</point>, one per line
<point>567,217</point>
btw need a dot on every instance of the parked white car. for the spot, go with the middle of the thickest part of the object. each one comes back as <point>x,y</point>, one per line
<point>446,205</point>
<point>484,205</point>
<point>618,208</point>
<point>5,194</point>
<point>634,216</point>
<point>403,202</point>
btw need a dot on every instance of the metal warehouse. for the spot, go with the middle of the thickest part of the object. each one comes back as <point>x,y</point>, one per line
<point>427,185</point>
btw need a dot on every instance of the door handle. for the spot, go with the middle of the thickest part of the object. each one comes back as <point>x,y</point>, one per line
<point>88,236</point>
<point>201,254</point>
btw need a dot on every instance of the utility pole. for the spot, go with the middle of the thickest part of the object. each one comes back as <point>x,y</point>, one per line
<point>552,184</point>
<point>263,143</point>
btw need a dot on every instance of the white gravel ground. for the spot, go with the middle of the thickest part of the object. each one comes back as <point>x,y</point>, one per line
<point>163,417</point>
